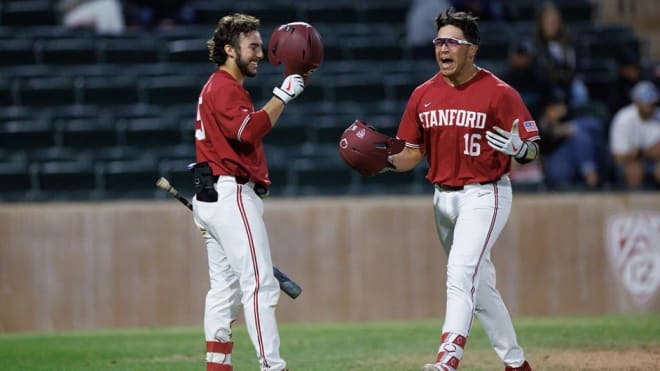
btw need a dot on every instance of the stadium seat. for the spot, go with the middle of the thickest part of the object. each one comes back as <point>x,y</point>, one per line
<point>129,178</point>
<point>169,90</point>
<point>52,154</point>
<point>28,13</point>
<point>66,176</point>
<point>43,92</point>
<point>390,12</point>
<point>316,176</point>
<point>332,12</point>
<point>67,51</point>
<point>109,90</point>
<point>26,134</point>
<point>210,12</point>
<point>361,90</point>
<point>288,133</point>
<point>6,97</point>
<point>128,51</point>
<point>577,10</point>
<point>494,46</point>
<point>401,89</point>
<point>86,133</point>
<point>16,52</point>
<point>188,51</point>
<point>150,132</point>
<point>14,176</point>
<point>401,181</point>
<point>271,16</point>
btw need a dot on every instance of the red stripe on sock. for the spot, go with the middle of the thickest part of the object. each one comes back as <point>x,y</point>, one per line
<point>212,366</point>
<point>219,347</point>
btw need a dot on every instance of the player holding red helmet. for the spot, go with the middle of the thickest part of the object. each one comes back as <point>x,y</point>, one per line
<point>230,177</point>
<point>468,124</point>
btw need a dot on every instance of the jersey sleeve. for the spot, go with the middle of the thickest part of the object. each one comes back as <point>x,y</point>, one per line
<point>240,121</point>
<point>510,107</point>
<point>409,129</point>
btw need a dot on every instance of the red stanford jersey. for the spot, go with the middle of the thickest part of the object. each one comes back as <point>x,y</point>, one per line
<point>449,125</point>
<point>228,132</point>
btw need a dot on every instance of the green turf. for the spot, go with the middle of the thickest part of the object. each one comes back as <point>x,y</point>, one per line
<point>396,346</point>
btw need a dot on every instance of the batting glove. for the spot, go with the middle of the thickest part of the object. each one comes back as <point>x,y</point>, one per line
<point>291,87</point>
<point>507,142</point>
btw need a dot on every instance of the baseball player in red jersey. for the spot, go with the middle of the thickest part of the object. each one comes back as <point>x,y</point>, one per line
<point>230,172</point>
<point>468,124</point>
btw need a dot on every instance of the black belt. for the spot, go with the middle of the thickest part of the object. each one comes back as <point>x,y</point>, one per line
<point>260,189</point>
<point>239,179</point>
<point>445,187</point>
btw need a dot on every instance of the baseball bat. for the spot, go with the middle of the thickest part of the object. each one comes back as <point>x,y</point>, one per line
<point>290,287</point>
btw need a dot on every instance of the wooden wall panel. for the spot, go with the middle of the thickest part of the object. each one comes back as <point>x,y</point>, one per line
<point>143,264</point>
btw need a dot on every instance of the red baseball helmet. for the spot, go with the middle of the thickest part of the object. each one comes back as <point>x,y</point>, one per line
<point>296,45</point>
<point>365,149</point>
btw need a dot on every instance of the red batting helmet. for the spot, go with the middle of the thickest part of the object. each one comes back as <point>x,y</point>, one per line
<point>296,45</point>
<point>365,149</point>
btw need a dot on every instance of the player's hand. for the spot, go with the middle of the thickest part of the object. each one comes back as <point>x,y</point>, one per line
<point>507,142</point>
<point>292,86</point>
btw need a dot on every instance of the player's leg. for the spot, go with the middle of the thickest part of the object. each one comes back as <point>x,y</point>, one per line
<point>451,346</point>
<point>494,317</point>
<point>482,214</point>
<point>222,302</point>
<point>248,251</point>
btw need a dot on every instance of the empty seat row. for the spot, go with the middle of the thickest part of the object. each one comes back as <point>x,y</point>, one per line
<point>89,133</point>
<point>130,178</point>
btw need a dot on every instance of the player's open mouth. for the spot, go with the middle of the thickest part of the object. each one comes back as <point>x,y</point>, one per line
<point>446,62</point>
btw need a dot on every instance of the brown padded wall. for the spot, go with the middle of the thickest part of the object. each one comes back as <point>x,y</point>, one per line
<point>143,264</point>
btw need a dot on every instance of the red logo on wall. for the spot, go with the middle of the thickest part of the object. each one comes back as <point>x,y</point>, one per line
<point>633,247</point>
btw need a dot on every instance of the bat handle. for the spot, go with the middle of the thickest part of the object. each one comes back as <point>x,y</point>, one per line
<point>286,284</point>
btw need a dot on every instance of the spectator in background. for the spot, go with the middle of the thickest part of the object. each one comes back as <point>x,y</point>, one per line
<point>101,16</point>
<point>158,14</point>
<point>629,72</point>
<point>635,137</point>
<point>523,75</point>
<point>570,147</point>
<point>556,55</point>
<point>419,26</point>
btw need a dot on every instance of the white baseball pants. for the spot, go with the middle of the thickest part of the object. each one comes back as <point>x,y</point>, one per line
<point>469,221</point>
<point>240,269</point>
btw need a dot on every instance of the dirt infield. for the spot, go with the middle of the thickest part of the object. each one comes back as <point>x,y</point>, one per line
<point>635,359</point>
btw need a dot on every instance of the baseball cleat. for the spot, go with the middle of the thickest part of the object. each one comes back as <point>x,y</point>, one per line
<point>524,367</point>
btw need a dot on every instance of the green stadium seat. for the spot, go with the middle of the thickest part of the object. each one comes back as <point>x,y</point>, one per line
<point>86,133</point>
<point>170,90</point>
<point>331,12</point>
<point>314,176</point>
<point>50,91</point>
<point>26,134</point>
<point>16,52</point>
<point>14,176</point>
<point>66,176</point>
<point>129,178</point>
<point>68,52</point>
<point>109,90</point>
<point>150,132</point>
<point>129,51</point>
<point>364,90</point>
<point>188,51</point>
<point>28,13</point>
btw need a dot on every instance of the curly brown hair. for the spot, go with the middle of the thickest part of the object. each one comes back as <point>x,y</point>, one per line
<point>229,28</point>
<point>463,20</point>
